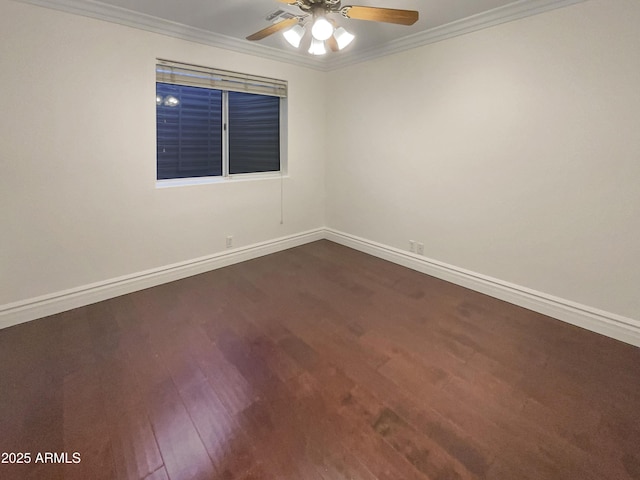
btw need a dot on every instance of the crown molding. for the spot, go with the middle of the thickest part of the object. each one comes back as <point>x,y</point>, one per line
<point>101,11</point>
<point>508,13</point>
<point>129,18</point>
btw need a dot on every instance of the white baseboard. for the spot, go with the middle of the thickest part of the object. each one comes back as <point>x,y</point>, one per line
<point>605,323</point>
<point>31,309</point>
<point>609,324</point>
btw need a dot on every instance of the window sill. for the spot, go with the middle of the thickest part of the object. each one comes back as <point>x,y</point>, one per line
<point>185,182</point>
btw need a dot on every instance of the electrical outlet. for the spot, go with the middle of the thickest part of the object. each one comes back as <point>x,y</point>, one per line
<point>412,246</point>
<point>420,248</point>
<point>229,242</point>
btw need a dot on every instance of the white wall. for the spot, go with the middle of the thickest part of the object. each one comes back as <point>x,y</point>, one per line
<point>78,201</point>
<point>513,152</point>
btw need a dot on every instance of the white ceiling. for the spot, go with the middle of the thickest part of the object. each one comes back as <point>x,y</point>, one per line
<point>239,18</point>
<point>226,23</point>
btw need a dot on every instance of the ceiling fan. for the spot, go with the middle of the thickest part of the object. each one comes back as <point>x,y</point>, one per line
<point>327,30</point>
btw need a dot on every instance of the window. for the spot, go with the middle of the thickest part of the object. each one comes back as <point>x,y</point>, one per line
<point>214,123</point>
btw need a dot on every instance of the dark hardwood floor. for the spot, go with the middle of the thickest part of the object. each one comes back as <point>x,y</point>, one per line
<point>315,363</point>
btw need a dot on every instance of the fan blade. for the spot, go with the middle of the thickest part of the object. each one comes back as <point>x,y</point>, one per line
<point>333,44</point>
<point>389,15</point>
<point>271,29</point>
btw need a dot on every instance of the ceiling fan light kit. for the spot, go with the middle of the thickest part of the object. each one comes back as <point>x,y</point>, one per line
<point>325,30</point>
<point>322,29</point>
<point>294,35</point>
<point>317,47</point>
<point>343,37</point>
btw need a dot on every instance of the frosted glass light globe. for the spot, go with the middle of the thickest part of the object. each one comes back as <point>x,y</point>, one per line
<point>343,38</point>
<point>322,29</point>
<point>317,47</point>
<point>294,35</point>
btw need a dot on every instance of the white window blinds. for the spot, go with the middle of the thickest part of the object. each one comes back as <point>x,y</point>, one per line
<point>195,76</point>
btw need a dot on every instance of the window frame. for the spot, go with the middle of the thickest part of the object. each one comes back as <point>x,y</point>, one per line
<point>226,176</point>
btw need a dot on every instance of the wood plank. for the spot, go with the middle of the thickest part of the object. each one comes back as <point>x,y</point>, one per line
<point>319,362</point>
<point>180,445</point>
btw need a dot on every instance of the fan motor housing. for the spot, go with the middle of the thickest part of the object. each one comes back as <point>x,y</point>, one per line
<point>327,6</point>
